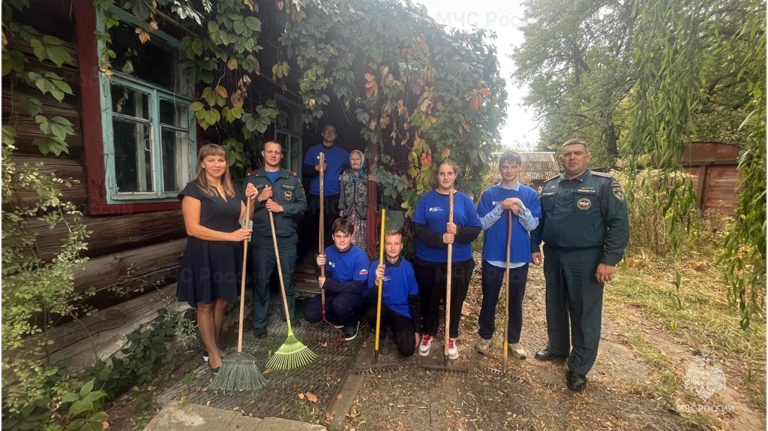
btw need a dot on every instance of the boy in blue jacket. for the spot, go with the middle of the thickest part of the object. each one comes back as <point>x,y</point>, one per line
<point>523,202</point>
<point>399,298</point>
<point>346,277</point>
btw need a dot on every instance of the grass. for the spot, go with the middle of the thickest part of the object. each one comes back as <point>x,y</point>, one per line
<point>686,302</point>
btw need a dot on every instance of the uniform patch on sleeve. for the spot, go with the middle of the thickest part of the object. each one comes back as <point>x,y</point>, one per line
<point>363,271</point>
<point>618,193</point>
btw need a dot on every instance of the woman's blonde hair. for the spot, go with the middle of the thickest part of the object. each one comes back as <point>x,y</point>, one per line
<point>450,163</point>
<point>201,179</point>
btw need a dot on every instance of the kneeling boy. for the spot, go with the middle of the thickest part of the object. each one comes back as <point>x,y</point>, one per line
<point>399,297</point>
<point>346,275</point>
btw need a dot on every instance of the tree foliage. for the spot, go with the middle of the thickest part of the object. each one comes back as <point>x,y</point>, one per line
<point>577,62</point>
<point>660,74</point>
<point>420,94</point>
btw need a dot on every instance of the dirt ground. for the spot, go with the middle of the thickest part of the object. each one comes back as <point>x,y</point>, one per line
<point>637,382</point>
<point>533,395</point>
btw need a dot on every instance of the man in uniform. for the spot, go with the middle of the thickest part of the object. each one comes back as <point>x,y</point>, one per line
<point>279,192</point>
<point>585,229</point>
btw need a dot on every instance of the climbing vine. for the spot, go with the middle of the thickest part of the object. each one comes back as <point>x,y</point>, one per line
<point>37,293</point>
<point>421,94</point>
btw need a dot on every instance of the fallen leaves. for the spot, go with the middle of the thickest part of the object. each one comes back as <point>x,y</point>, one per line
<point>309,396</point>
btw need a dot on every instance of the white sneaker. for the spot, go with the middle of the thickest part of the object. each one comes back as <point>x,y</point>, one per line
<point>425,346</point>
<point>483,346</point>
<point>453,349</point>
<point>517,350</point>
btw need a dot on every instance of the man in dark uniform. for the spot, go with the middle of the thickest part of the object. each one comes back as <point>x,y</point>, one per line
<point>585,229</point>
<point>279,192</point>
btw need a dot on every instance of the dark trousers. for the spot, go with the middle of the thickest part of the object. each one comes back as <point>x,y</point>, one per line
<point>573,291</point>
<point>310,229</point>
<point>341,308</point>
<point>431,283</point>
<point>264,264</point>
<point>493,279</point>
<point>401,328</point>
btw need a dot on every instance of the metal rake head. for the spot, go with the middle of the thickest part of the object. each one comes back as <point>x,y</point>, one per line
<point>450,369</point>
<point>371,370</point>
<point>324,332</point>
<point>505,374</point>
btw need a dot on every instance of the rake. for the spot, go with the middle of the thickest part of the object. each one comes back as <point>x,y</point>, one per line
<point>379,368</point>
<point>445,367</point>
<point>240,371</point>
<point>293,353</point>
<point>326,332</point>
<point>506,292</point>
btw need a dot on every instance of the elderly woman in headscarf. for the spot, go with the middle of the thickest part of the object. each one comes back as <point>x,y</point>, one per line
<point>353,201</point>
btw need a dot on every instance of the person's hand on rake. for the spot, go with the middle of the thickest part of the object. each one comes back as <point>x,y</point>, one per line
<point>251,192</point>
<point>513,204</point>
<point>265,194</point>
<point>274,207</point>
<point>240,235</point>
<point>321,260</point>
<point>321,281</point>
<point>380,272</point>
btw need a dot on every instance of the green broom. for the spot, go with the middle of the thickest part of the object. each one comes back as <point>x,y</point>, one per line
<point>240,371</point>
<point>293,353</point>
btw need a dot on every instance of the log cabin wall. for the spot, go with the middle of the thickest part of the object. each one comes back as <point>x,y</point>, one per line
<point>127,251</point>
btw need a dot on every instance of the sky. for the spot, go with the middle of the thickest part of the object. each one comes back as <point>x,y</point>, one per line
<point>502,17</point>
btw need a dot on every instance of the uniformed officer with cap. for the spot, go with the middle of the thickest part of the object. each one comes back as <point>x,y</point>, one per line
<point>280,192</point>
<point>585,229</point>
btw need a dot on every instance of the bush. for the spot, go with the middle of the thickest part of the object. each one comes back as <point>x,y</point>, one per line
<point>652,232</point>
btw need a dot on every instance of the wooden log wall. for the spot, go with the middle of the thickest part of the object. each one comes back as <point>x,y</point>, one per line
<point>129,251</point>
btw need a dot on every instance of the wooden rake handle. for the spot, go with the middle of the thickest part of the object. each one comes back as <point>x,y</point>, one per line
<point>321,236</point>
<point>506,288</point>
<point>380,282</point>
<point>280,271</point>
<point>242,278</point>
<point>449,271</point>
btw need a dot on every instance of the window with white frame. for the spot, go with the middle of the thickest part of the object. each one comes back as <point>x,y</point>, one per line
<point>149,130</point>
<point>288,131</point>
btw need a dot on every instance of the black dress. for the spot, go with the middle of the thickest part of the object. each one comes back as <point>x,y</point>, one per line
<point>211,270</point>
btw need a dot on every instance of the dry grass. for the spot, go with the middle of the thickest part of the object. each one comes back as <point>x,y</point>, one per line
<point>663,302</point>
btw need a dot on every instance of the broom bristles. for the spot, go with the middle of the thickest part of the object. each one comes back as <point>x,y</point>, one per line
<point>239,373</point>
<point>292,354</point>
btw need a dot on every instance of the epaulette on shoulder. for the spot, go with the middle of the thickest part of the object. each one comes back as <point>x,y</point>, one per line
<point>251,173</point>
<point>602,174</point>
<point>293,174</point>
<point>553,178</point>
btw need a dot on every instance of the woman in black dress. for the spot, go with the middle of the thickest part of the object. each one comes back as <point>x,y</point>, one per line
<point>210,270</point>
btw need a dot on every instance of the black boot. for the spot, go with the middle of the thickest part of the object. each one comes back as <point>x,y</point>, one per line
<point>575,381</point>
<point>546,355</point>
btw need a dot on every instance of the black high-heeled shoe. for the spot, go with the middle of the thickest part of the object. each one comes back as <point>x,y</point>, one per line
<point>215,371</point>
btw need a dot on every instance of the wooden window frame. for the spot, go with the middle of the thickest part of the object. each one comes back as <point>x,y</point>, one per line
<point>292,135</point>
<point>96,118</point>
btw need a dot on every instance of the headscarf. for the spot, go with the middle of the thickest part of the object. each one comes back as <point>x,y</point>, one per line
<point>357,174</point>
